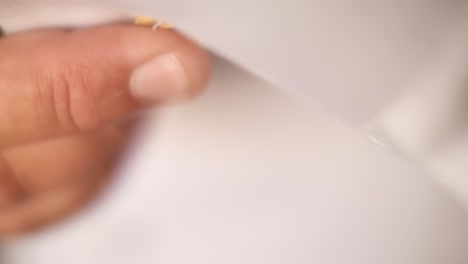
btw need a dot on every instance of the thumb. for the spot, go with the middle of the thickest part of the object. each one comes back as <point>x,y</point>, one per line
<point>55,83</point>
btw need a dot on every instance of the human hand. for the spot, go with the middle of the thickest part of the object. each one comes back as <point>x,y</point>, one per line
<point>63,96</point>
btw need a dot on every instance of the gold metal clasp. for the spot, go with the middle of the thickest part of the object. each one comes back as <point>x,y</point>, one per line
<point>151,22</point>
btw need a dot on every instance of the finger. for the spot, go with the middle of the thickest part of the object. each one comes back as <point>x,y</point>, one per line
<point>46,209</point>
<point>55,83</point>
<point>10,188</point>
<point>57,166</point>
<point>48,164</point>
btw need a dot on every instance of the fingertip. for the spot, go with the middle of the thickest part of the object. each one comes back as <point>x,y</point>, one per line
<point>141,45</point>
<point>197,64</point>
<point>174,65</point>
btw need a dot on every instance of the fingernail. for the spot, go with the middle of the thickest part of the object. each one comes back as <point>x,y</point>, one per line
<point>161,79</point>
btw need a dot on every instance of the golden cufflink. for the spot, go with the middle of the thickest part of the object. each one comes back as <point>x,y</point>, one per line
<point>147,21</point>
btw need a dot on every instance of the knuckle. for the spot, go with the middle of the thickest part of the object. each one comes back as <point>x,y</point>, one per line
<point>73,104</point>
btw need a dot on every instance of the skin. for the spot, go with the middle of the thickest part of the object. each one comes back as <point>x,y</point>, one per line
<point>64,108</point>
